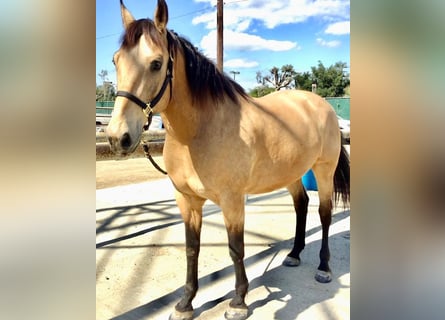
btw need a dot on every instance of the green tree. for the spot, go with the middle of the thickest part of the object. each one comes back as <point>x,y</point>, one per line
<point>332,81</point>
<point>303,81</point>
<point>260,91</point>
<point>105,92</point>
<point>279,78</point>
<point>99,93</point>
<point>103,74</point>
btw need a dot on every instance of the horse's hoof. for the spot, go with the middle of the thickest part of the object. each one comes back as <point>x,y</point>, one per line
<point>236,314</point>
<point>291,262</point>
<point>186,315</point>
<point>323,276</point>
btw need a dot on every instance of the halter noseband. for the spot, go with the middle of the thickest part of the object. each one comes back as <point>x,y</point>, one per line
<point>148,107</point>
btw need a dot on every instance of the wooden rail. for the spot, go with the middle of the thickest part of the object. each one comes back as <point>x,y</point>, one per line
<point>156,144</point>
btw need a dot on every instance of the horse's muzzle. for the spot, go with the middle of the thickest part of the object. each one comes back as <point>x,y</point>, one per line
<point>123,145</point>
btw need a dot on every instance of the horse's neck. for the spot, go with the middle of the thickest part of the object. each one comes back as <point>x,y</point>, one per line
<point>185,117</point>
<point>178,123</point>
<point>181,117</point>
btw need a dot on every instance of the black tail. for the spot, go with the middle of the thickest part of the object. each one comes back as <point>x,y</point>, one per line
<point>341,178</point>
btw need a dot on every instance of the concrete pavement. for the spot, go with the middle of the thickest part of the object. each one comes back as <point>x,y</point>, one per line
<point>140,258</point>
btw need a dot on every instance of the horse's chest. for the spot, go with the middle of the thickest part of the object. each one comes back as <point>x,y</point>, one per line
<point>186,175</point>
<point>192,184</point>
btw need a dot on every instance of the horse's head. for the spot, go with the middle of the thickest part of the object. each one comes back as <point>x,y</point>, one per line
<point>143,67</point>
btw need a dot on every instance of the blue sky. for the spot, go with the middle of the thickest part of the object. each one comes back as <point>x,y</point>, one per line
<point>258,34</point>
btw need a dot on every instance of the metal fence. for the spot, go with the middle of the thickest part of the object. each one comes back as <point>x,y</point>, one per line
<point>104,107</point>
<point>105,104</point>
<point>341,106</point>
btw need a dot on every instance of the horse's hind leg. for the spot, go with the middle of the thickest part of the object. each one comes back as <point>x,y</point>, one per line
<point>191,211</point>
<point>324,173</point>
<point>301,201</point>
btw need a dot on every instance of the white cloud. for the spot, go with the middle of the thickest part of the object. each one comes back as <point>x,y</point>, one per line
<point>243,42</point>
<point>243,26</point>
<point>273,13</point>
<point>329,44</point>
<point>240,63</point>
<point>207,18</point>
<point>338,28</point>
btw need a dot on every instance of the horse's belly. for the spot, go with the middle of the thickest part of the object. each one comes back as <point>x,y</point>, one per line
<point>273,176</point>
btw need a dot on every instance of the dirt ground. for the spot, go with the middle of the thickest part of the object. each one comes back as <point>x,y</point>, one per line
<point>140,253</point>
<point>111,173</point>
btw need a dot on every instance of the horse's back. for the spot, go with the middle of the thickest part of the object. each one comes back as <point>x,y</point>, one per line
<point>306,117</point>
<point>298,103</point>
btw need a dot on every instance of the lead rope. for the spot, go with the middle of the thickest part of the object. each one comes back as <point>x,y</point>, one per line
<point>146,147</point>
<point>149,157</point>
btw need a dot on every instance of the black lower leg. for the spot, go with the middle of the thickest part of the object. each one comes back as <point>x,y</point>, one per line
<point>325,212</point>
<point>236,248</point>
<point>191,286</point>
<point>324,274</point>
<point>300,205</point>
<point>300,235</point>
<point>324,251</point>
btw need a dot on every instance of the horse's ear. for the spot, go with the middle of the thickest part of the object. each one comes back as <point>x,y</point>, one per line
<point>127,18</point>
<point>161,16</point>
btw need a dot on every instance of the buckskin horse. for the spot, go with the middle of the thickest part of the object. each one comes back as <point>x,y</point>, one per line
<point>221,144</point>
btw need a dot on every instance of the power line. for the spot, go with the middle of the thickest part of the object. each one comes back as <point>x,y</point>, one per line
<point>236,1</point>
<point>178,17</point>
<point>173,18</point>
<point>107,36</point>
<point>192,12</point>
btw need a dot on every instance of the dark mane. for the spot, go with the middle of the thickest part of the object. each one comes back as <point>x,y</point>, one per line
<point>204,79</point>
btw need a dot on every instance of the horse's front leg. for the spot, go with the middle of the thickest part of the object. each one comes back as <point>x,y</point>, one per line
<point>191,211</point>
<point>233,211</point>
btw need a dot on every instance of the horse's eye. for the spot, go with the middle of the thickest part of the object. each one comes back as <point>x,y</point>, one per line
<point>156,65</point>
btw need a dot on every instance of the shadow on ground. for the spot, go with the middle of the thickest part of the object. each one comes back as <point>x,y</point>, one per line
<point>295,288</point>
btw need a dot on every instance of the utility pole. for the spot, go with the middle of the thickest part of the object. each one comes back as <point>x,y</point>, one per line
<point>234,73</point>
<point>219,32</point>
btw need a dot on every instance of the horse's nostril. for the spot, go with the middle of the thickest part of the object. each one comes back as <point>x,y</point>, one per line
<point>126,141</point>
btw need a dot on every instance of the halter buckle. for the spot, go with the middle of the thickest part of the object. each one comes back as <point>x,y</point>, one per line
<point>148,110</point>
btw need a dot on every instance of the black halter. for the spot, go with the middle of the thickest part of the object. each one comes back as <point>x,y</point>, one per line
<point>151,104</point>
